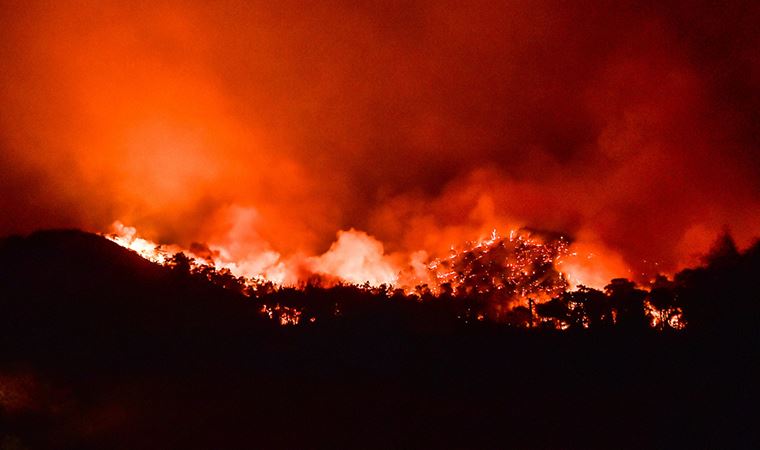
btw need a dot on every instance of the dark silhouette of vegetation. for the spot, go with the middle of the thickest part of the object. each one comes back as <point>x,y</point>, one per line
<point>722,295</point>
<point>100,348</point>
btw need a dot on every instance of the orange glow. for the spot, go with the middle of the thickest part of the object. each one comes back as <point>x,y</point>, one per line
<point>359,259</point>
<point>268,132</point>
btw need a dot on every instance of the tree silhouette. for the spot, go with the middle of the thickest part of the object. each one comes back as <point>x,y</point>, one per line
<point>722,295</point>
<point>555,312</point>
<point>627,302</point>
<point>663,298</point>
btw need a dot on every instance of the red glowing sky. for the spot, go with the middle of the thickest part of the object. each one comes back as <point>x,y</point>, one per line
<point>632,126</point>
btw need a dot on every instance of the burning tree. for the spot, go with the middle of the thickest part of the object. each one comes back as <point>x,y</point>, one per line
<point>499,273</point>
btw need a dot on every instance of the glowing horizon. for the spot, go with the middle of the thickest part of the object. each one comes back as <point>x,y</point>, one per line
<point>266,130</point>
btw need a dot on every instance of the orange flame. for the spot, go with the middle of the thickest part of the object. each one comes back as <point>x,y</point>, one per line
<point>358,258</point>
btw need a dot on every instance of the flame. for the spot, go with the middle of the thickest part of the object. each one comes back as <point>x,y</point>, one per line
<point>354,258</point>
<point>522,268</point>
<point>284,315</point>
<point>506,271</point>
<point>357,258</point>
<point>592,264</point>
<point>517,266</point>
<point>127,237</point>
<point>669,318</point>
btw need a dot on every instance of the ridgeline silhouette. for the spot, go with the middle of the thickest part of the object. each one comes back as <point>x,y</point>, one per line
<point>103,349</point>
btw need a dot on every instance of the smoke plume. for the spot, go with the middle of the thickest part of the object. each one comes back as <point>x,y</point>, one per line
<point>265,128</point>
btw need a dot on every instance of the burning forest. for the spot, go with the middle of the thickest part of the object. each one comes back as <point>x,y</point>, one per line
<point>397,224</point>
<point>515,280</point>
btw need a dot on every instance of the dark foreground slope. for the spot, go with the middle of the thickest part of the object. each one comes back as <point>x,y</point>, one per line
<point>102,349</point>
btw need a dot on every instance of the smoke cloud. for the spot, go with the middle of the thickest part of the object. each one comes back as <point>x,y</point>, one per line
<point>264,128</point>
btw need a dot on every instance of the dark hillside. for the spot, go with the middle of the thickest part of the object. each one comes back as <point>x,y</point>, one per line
<point>69,288</point>
<point>104,350</point>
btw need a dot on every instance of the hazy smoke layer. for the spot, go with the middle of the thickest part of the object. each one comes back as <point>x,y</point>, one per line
<point>270,126</point>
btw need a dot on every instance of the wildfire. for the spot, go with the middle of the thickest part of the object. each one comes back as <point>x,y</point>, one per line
<point>284,315</point>
<point>665,318</point>
<point>518,265</point>
<point>127,237</point>
<point>512,268</point>
<point>501,278</point>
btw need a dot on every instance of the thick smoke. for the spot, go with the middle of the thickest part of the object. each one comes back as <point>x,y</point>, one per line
<point>266,127</point>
